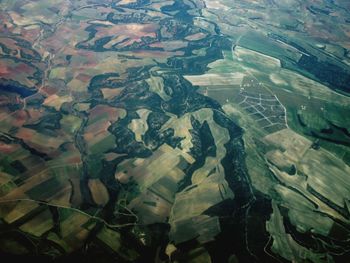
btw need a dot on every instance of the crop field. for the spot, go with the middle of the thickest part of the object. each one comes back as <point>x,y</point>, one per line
<point>175,131</point>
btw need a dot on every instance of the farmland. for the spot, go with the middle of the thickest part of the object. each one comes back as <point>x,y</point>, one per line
<point>175,131</point>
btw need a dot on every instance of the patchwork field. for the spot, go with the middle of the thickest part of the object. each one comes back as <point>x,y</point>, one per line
<point>175,131</point>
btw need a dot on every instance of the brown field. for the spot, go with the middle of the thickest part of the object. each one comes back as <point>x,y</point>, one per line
<point>39,224</point>
<point>109,113</point>
<point>170,45</point>
<point>194,37</point>
<point>99,192</point>
<point>216,79</point>
<point>15,47</point>
<point>54,164</point>
<point>110,93</point>
<point>150,208</point>
<point>96,134</point>
<point>19,71</point>
<point>100,119</point>
<point>159,55</point>
<point>125,35</point>
<point>13,211</point>
<point>56,101</point>
<point>125,2</point>
<point>8,148</point>
<point>40,141</point>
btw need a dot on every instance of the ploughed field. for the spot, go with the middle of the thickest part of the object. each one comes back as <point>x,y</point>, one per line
<point>175,131</point>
